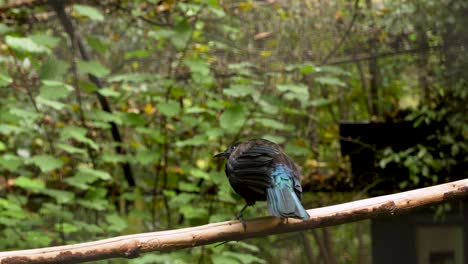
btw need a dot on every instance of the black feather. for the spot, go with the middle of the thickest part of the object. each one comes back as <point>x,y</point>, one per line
<point>259,170</point>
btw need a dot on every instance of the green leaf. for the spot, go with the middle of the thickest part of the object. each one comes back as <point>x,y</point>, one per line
<point>8,129</point>
<point>197,66</point>
<point>173,257</point>
<point>220,259</point>
<point>51,103</point>
<point>53,209</point>
<point>53,69</point>
<point>291,67</point>
<point>307,68</point>
<point>109,92</point>
<point>188,187</point>
<point>66,228</point>
<point>330,81</point>
<point>242,68</point>
<point>153,133</point>
<point>91,228</point>
<point>197,140</point>
<point>200,174</point>
<point>169,108</point>
<point>145,157</point>
<point>26,183</point>
<point>214,132</point>
<point>5,29</point>
<point>10,162</point>
<point>37,238</point>
<point>298,92</point>
<point>161,34</point>
<point>45,40</point>
<point>243,257</point>
<point>98,44</point>
<point>114,158</point>
<point>2,146</point>
<point>295,148</point>
<point>99,115</point>
<point>247,246</point>
<point>5,80</point>
<point>62,197</point>
<point>334,70</point>
<point>24,114</point>
<point>274,138</point>
<point>53,90</point>
<point>320,102</point>
<point>139,53</point>
<point>200,71</point>
<point>98,205</point>
<point>71,149</point>
<point>92,67</point>
<point>198,110</point>
<point>78,134</point>
<point>46,162</point>
<point>182,35</point>
<point>268,107</point>
<point>133,119</point>
<point>116,223</point>
<point>233,117</point>
<point>191,212</point>
<point>88,11</point>
<point>85,170</point>
<point>271,123</point>
<point>81,181</point>
<point>87,86</point>
<point>25,45</point>
<point>10,205</point>
<point>240,90</point>
<point>134,77</point>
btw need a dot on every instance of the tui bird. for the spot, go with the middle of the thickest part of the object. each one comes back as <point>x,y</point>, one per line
<point>259,170</point>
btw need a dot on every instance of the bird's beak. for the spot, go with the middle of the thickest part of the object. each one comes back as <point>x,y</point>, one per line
<point>219,155</point>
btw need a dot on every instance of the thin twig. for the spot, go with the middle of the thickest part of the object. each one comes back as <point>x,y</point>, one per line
<point>345,35</point>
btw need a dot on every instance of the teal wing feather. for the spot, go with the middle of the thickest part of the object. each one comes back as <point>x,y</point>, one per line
<point>282,198</point>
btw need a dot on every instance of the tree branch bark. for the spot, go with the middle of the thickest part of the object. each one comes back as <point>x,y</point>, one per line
<point>59,8</point>
<point>132,246</point>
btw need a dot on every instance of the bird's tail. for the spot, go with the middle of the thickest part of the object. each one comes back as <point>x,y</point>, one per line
<point>281,198</point>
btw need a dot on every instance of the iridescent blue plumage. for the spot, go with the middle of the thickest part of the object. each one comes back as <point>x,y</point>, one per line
<point>281,198</point>
<point>259,170</point>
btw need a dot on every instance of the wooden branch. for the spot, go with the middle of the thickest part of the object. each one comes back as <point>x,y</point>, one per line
<point>132,246</point>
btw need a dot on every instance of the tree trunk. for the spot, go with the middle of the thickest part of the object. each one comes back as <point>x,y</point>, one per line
<point>374,72</point>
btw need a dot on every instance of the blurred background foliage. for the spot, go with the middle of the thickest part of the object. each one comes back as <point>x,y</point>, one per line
<point>111,111</point>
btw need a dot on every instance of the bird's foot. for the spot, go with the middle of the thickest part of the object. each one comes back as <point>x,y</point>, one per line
<point>240,217</point>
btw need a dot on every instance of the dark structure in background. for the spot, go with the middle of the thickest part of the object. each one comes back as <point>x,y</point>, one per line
<point>423,236</point>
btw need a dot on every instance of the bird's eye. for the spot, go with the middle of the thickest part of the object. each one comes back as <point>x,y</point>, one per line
<point>233,147</point>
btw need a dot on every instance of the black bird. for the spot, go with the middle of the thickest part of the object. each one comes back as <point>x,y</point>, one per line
<point>259,170</point>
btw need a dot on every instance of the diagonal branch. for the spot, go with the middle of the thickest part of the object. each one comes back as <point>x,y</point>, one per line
<point>59,8</point>
<point>345,35</point>
<point>132,246</point>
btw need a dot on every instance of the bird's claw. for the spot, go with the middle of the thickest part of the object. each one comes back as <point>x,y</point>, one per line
<point>240,216</point>
<point>241,219</point>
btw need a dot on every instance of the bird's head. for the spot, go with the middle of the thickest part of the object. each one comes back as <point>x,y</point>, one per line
<point>225,154</point>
